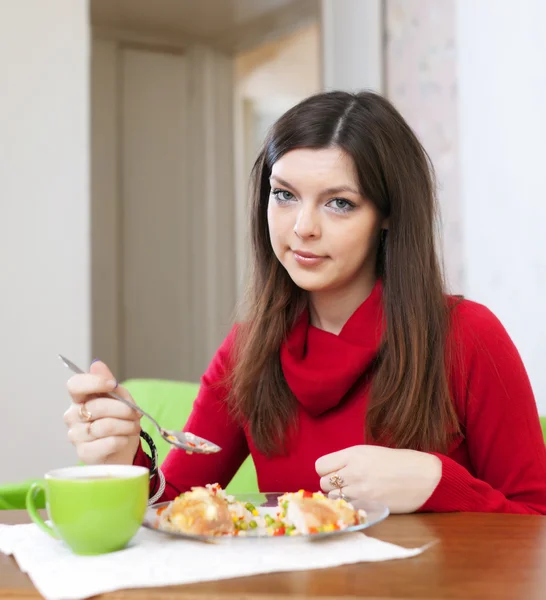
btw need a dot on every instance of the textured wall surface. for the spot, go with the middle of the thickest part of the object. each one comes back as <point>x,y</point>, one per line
<point>421,72</point>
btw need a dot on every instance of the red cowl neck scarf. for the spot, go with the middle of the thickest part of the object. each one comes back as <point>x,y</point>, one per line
<point>321,367</point>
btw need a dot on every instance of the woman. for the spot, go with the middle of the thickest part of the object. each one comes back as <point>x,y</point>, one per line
<point>352,368</point>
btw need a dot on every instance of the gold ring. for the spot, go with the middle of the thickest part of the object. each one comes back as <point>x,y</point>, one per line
<point>336,481</point>
<point>88,429</point>
<point>85,415</point>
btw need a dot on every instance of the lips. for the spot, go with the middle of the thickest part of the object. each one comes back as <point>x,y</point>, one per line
<point>304,254</point>
<point>307,259</point>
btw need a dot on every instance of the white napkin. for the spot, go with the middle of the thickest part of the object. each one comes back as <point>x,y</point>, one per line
<point>153,560</point>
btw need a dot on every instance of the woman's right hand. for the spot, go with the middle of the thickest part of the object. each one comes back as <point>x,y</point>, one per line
<point>103,430</point>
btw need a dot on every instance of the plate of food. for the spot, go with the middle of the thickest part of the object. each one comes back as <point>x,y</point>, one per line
<point>210,514</point>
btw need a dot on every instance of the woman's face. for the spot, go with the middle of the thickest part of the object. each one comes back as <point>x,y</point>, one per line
<point>323,230</point>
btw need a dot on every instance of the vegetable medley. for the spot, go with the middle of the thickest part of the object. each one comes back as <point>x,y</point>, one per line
<point>210,511</point>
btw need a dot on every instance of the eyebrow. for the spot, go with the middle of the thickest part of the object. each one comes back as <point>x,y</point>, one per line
<point>328,191</point>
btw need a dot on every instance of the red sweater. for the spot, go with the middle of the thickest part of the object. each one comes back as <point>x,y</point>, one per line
<point>498,464</point>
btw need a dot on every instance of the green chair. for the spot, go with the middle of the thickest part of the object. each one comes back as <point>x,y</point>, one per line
<point>170,402</point>
<point>12,495</point>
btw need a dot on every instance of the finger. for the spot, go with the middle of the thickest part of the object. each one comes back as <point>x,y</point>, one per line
<point>82,386</point>
<point>114,427</point>
<point>327,483</point>
<point>101,408</point>
<point>98,451</point>
<point>336,494</point>
<point>99,368</point>
<point>79,433</point>
<point>355,497</point>
<point>331,462</point>
<point>73,415</point>
<point>103,428</point>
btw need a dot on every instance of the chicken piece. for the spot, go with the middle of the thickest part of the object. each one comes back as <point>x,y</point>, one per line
<point>316,512</point>
<point>199,512</point>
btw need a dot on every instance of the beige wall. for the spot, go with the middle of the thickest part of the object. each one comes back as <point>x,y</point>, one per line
<point>502,128</point>
<point>352,44</point>
<point>163,249</point>
<point>421,80</point>
<point>44,226</point>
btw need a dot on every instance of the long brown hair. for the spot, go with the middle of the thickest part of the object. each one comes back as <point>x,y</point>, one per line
<point>410,404</point>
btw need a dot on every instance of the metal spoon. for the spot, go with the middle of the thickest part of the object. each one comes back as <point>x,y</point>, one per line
<point>184,440</point>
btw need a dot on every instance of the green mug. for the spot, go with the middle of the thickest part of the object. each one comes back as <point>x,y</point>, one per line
<point>94,509</point>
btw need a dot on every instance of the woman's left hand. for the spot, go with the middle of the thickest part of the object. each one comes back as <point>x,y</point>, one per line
<point>403,480</point>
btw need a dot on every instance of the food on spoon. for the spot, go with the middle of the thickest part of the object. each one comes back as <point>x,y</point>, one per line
<point>202,444</point>
<point>210,511</point>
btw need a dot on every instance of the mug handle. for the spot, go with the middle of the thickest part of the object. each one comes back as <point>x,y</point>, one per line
<point>33,491</point>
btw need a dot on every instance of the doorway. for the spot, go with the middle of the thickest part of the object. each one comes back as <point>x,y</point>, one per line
<point>182,95</point>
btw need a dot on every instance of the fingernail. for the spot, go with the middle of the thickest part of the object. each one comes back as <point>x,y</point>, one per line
<point>95,360</point>
<point>113,383</point>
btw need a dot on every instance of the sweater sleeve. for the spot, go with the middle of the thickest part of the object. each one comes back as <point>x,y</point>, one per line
<point>210,419</point>
<point>501,426</point>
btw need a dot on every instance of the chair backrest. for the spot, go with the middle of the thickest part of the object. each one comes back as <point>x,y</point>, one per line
<point>170,403</point>
<point>13,495</point>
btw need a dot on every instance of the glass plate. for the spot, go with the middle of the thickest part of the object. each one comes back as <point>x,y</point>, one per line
<point>265,504</point>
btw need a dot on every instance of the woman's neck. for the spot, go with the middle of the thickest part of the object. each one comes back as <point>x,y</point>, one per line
<point>330,310</point>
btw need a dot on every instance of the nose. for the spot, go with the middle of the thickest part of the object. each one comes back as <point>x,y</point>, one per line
<point>307,225</point>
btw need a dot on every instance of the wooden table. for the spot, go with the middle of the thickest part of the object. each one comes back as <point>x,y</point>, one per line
<point>478,556</point>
